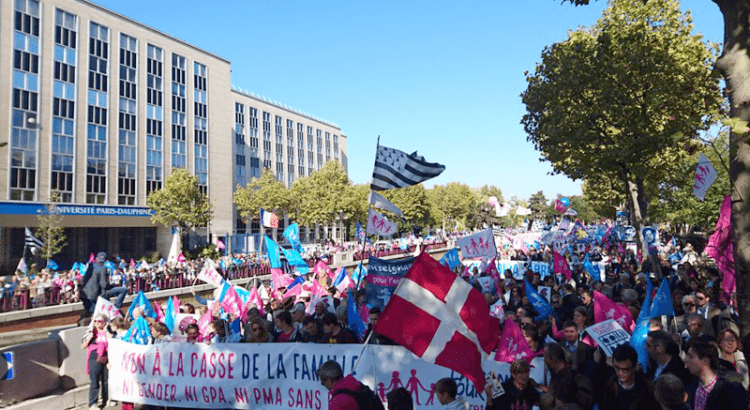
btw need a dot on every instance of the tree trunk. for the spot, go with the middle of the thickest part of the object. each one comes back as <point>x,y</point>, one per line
<point>639,204</point>
<point>734,65</point>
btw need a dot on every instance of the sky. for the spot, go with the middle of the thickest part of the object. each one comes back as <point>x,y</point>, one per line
<point>439,77</point>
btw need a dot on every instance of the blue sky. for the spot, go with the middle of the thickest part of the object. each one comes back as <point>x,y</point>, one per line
<point>440,77</point>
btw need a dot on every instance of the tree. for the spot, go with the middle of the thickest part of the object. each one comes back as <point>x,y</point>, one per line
<point>413,202</point>
<point>49,230</point>
<point>355,206</point>
<point>539,207</point>
<point>613,98</point>
<point>264,192</point>
<point>321,197</point>
<point>180,203</point>
<point>733,66</point>
<point>453,201</point>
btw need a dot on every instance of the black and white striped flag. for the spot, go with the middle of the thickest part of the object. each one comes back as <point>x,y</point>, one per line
<point>33,242</point>
<point>396,169</point>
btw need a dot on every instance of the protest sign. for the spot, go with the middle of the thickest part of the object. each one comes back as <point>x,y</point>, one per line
<point>545,292</point>
<point>608,335</point>
<point>210,275</point>
<point>479,245</point>
<point>382,278</point>
<point>517,268</point>
<point>542,268</point>
<point>275,376</point>
<point>486,283</point>
<point>106,308</point>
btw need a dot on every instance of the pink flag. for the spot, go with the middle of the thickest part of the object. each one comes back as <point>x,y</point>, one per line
<point>491,269</point>
<point>181,258</point>
<point>559,206</point>
<point>233,304</point>
<point>512,344</point>
<point>220,245</point>
<point>721,249</point>
<point>256,299</point>
<point>280,279</point>
<point>317,289</point>
<point>159,313</point>
<point>321,268</point>
<point>132,263</point>
<point>364,313</point>
<point>203,323</point>
<point>605,309</point>
<point>466,273</point>
<point>93,258</point>
<point>560,265</point>
<point>176,304</point>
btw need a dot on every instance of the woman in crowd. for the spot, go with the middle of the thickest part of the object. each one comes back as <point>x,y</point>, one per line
<point>95,342</point>
<point>729,350</point>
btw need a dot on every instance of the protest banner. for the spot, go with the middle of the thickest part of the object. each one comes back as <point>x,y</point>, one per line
<point>479,245</point>
<point>275,376</point>
<point>106,308</point>
<point>210,275</point>
<point>517,268</point>
<point>542,268</point>
<point>486,283</point>
<point>608,335</point>
<point>382,278</point>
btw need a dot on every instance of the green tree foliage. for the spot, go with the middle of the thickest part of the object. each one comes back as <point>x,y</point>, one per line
<point>586,212</point>
<point>613,98</point>
<point>453,203</point>
<point>413,202</point>
<point>180,202</point>
<point>49,231</point>
<point>539,207</point>
<point>321,197</point>
<point>264,192</point>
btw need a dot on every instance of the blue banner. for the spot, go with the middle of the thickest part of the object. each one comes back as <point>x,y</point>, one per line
<point>291,233</point>
<point>382,278</point>
<point>451,258</point>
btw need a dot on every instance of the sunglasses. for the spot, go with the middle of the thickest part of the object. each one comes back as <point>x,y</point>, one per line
<point>98,321</point>
<point>688,304</point>
<point>256,329</point>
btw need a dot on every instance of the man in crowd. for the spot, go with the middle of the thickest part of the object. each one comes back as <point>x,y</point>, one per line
<point>287,332</point>
<point>446,391</point>
<point>665,355</point>
<point>713,391</point>
<point>670,393</point>
<point>342,388</point>
<point>628,388</point>
<point>336,333</point>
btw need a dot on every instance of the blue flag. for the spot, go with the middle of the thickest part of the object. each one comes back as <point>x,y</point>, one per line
<point>273,253</point>
<point>662,303</point>
<point>52,265</point>
<point>591,269</point>
<point>224,289</point>
<point>360,232</point>
<point>359,273</point>
<point>234,327</point>
<point>649,288</point>
<point>243,293</point>
<point>291,233</point>
<point>354,319</point>
<point>451,258</point>
<point>138,333</point>
<point>222,265</point>
<point>297,281</point>
<point>640,334</point>
<point>141,301</point>
<point>540,304</point>
<point>340,277</point>
<point>110,265</point>
<point>169,315</point>
<point>293,257</point>
<point>75,266</point>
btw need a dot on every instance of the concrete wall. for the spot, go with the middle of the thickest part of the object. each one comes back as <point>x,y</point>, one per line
<point>70,354</point>
<point>35,368</point>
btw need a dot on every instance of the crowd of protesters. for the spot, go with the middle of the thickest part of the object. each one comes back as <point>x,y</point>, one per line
<point>45,287</point>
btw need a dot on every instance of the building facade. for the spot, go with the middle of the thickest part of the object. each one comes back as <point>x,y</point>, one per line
<point>97,109</point>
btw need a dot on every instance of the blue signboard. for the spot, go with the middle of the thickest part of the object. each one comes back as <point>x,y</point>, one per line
<point>13,208</point>
<point>383,276</point>
<point>8,357</point>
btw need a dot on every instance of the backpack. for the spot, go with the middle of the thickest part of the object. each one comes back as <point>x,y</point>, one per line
<point>365,397</point>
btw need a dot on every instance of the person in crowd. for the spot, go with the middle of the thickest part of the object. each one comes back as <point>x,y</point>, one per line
<point>96,283</point>
<point>376,338</point>
<point>312,332</point>
<point>331,376</point>
<point>298,313</point>
<point>669,392</point>
<point>665,357</point>
<point>562,378</point>
<point>446,391</point>
<point>729,351</point>
<point>519,392</point>
<point>336,333</point>
<point>192,333</point>
<point>399,399</point>
<point>628,389</point>
<point>96,343</point>
<point>287,332</point>
<point>580,354</point>
<point>160,333</point>
<point>256,331</point>
<point>689,306</point>
<point>712,391</point>
<point>119,326</point>
<point>706,309</point>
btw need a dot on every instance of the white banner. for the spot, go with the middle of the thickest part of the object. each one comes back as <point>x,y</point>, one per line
<point>705,175</point>
<point>210,276</point>
<point>106,308</point>
<point>378,224</point>
<point>517,268</point>
<point>275,376</point>
<point>479,245</point>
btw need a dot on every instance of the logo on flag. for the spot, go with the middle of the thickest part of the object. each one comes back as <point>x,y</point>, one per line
<point>378,224</point>
<point>441,319</point>
<point>479,245</point>
<point>705,175</point>
<point>396,169</point>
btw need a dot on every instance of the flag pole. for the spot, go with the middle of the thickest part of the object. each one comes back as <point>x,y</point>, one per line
<point>367,342</point>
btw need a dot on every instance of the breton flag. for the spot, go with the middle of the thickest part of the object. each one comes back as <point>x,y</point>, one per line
<point>396,169</point>
<point>441,319</point>
<point>379,201</point>
<point>269,219</point>
<point>32,242</point>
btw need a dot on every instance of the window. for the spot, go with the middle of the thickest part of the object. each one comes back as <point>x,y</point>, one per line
<point>200,121</point>
<point>155,118</point>
<point>179,109</point>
